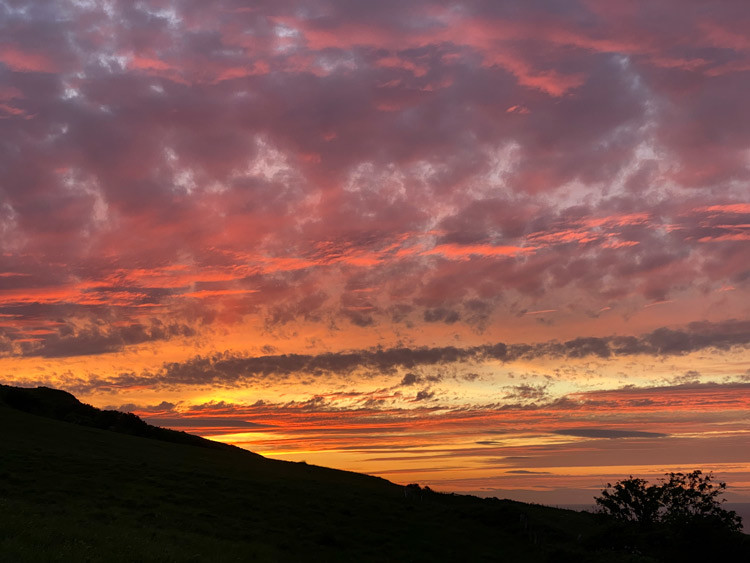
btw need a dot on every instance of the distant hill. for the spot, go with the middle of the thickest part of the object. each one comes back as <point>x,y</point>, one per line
<point>80,484</point>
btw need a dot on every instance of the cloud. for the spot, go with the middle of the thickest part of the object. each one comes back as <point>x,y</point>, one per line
<point>413,379</point>
<point>509,419</point>
<point>64,339</point>
<point>689,377</point>
<point>526,391</point>
<point>441,315</point>
<point>193,422</point>
<point>371,197</point>
<point>576,155</point>
<point>662,341</point>
<point>230,369</point>
<point>678,423</point>
<point>607,433</point>
<point>165,407</point>
<point>410,379</point>
<point>424,395</point>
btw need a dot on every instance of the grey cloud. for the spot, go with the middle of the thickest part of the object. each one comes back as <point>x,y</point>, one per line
<point>740,386</point>
<point>413,379</point>
<point>69,340</point>
<point>690,376</point>
<point>210,422</point>
<point>231,369</point>
<point>440,314</point>
<point>641,402</point>
<point>424,395</point>
<point>163,407</point>
<point>526,391</point>
<point>359,318</point>
<point>410,379</point>
<point>582,347</point>
<point>606,433</point>
<point>663,341</point>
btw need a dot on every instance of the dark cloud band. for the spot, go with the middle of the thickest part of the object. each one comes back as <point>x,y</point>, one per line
<point>231,369</point>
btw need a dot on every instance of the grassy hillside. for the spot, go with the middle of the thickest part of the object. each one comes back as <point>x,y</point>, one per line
<point>70,492</point>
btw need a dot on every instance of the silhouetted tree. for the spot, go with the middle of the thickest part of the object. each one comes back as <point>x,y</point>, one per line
<point>682,499</point>
<point>631,500</point>
<point>693,498</point>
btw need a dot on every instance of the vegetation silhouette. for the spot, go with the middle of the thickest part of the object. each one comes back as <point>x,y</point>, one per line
<point>76,486</point>
<point>682,499</point>
<point>61,405</point>
<point>678,519</point>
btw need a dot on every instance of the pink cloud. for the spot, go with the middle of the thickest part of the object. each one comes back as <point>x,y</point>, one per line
<point>455,251</point>
<point>265,152</point>
<point>738,208</point>
<point>25,61</point>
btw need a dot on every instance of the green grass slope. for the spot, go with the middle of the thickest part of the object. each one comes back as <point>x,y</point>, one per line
<point>70,492</point>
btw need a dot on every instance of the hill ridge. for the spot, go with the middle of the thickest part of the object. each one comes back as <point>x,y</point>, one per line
<point>64,406</point>
<point>77,492</point>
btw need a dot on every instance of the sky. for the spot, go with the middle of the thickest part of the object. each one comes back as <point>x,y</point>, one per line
<point>490,247</point>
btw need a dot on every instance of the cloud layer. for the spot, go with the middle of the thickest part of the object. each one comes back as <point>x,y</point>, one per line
<point>380,209</point>
<point>352,164</point>
<point>229,369</point>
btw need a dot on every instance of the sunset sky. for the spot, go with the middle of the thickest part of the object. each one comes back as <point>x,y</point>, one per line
<point>489,247</point>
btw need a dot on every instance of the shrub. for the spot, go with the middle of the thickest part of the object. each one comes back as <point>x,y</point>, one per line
<point>682,500</point>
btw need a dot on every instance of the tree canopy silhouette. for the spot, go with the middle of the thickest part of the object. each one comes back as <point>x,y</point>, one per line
<point>681,499</point>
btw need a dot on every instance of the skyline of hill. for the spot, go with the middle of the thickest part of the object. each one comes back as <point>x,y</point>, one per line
<point>72,490</point>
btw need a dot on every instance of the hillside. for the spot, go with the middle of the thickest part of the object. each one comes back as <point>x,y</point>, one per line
<point>71,492</point>
<point>61,405</point>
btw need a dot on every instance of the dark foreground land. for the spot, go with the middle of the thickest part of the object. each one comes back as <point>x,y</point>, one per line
<point>125,491</point>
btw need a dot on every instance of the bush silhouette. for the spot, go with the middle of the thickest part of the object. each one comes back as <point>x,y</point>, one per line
<point>681,500</point>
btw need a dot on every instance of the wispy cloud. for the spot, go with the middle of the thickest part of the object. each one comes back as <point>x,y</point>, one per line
<point>607,433</point>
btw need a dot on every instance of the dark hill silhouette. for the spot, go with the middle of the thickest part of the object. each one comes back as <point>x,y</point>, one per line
<point>61,405</point>
<point>81,492</point>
